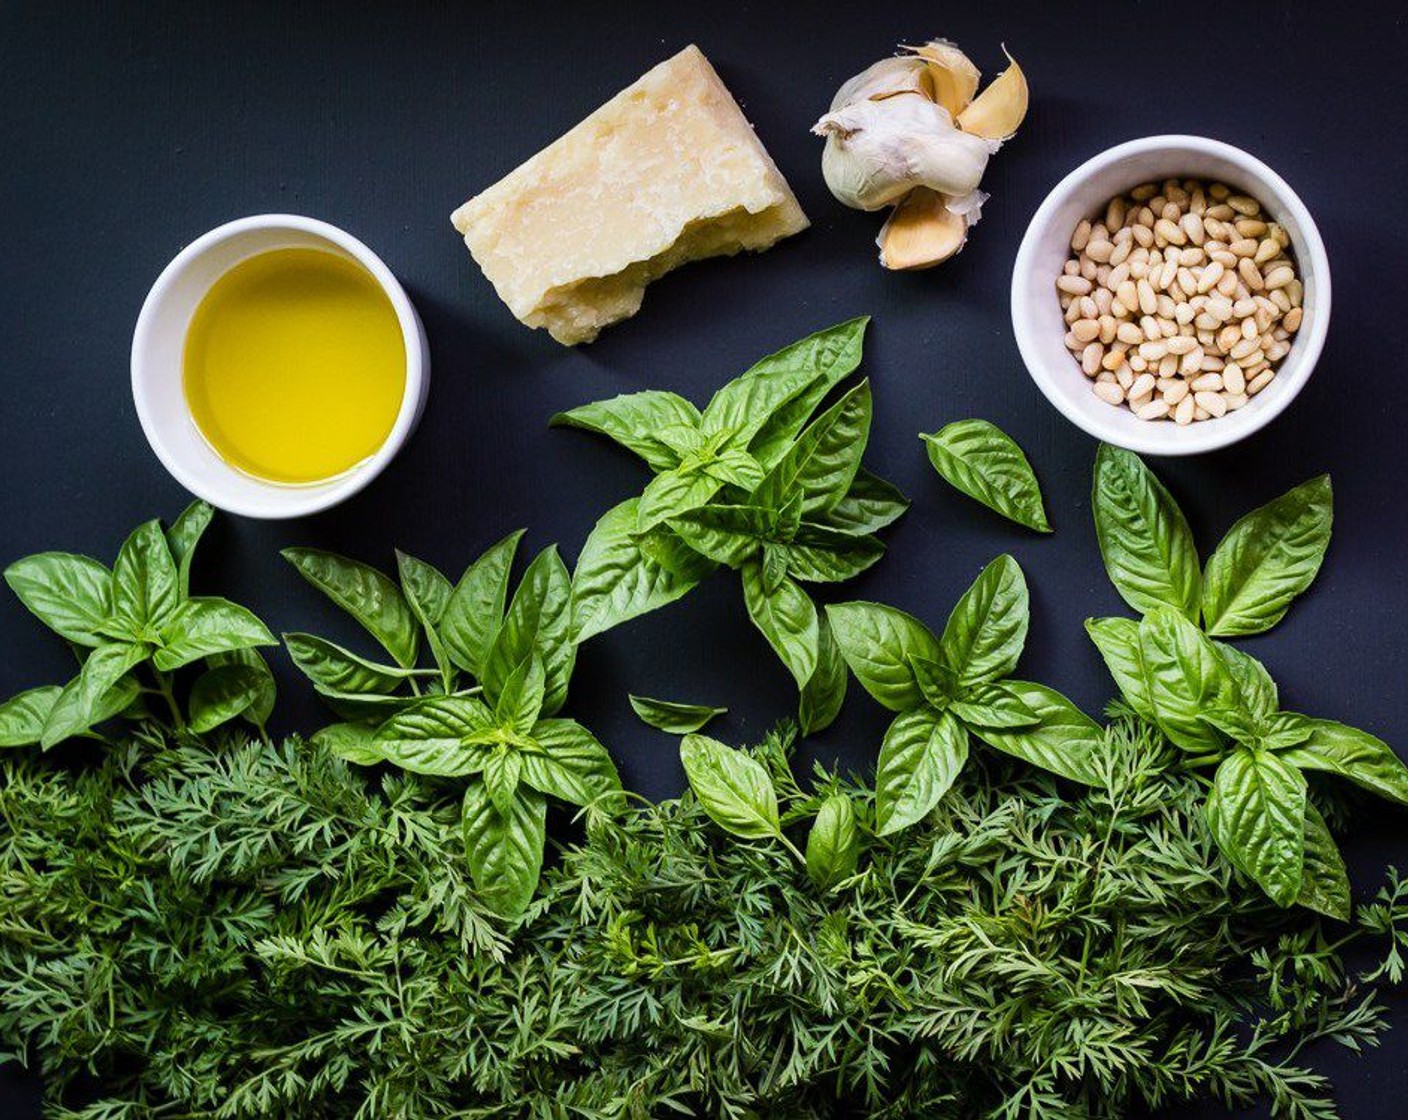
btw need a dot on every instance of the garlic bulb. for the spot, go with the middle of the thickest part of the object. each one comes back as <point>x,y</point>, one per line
<point>908,132</point>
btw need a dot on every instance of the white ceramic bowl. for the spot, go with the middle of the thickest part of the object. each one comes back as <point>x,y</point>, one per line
<point>159,342</point>
<point>1036,314</point>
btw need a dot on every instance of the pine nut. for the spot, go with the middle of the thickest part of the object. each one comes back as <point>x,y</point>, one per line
<point>1176,392</point>
<point>1245,247</point>
<point>1279,277</point>
<point>1267,250</point>
<point>1248,207</point>
<point>1128,332</point>
<point>1292,320</point>
<point>1143,385</point>
<point>1232,379</point>
<point>1251,275</point>
<point>1085,330</point>
<point>1182,344</point>
<point>1154,410</point>
<point>1075,285</point>
<point>1091,358</point>
<point>1207,383</point>
<point>1211,403</point>
<point>1108,328</point>
<point>1109,393</point>
<point>1081,237</point>
<point>1235,400</point>
<point>1100,251</point>
<point>1260,382</point>
<point>1183,414</point>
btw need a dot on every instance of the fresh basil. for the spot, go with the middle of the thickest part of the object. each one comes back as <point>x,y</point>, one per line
<point>1267,558</point>
<point>505,848</point>
<point>22,717</point>
<point>1063,739</point>
<point>351,742</point>
<point>521,698</point>
<point>367,595</point>
<point>673,717</point>
<point>1352,754</point>
<point>833,844</point>
<point>993,705</point>
<point>985,463</point>
<point>920,756</point>
<point>72,595</point>
<point>330,665</point>
<point>987,629</point>
<point>871,504</point>
<point>146,588</point>
<point>1256,811</point>
<point>222,694</point>
<point>820,555</point>
<point>634,421</point>
<point>537,623</point>
<point>571,765</point>
<point>182,538</point>
<point>203,626</point>
<point>825,690</point>
<point>731,787</point>
<point>879,643</point>
<point>476,606</point>
<point>73,714</point>
<point>441,737</point>
<point>1324,884</point>
<point>822,464</point>
<point>787,618</point>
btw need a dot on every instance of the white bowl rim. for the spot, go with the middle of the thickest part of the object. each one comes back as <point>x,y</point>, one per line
<point>285,501</point>
<point>1199,437</point>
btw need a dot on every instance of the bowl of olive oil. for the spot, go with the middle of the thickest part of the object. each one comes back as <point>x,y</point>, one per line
<point>277,366</point>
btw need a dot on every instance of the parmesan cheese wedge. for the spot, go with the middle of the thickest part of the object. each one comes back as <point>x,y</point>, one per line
<point>668,171</point>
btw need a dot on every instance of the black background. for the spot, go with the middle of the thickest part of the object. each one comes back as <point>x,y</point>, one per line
<point>128,130</point>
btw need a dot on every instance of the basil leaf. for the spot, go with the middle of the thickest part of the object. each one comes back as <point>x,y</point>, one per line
<point>202,626</point>
<point>732,788</point>
<point>821,465</point>
<point>505,850</point>
<point>73,715</point>
<point>673,493</point>
<point>878,643</point>
<point>262,707</point>
<point>725,534</point>
<point>1256,812</point>
<point>1117,639</point>
<point>828,355</point>
<point>521,698</point>
<point>1363,759</point>
<point>104,667</point>
<point>1144,539</point>
<point>633,420</point>
<point>675,718</point>
<point>936,681</point>
<point>787,618</point>
<point>868,506</point>
<point>736,467</point>
<point>351,742</point>
<point>825,690</point>
<point>221,694</point>
<point>1267,559</point>
<point>1064,739</point>
<point>427,593</point>
<point>1324,885</point>
<point>182,538</point>
<point>1255,689</point>
<point>502,769</point>
<point>430,738</point>
<point>574,767</point>
<point>774,564</point>
<point>538,622</point>
<point>1284,729</point>
<point>616,580</point>
<point>365,594</point>
<point>983,461</point>
<point>833,562</point>
<point>22,717</point>
<point>984,636</point>
<point>475,610</point>
<point>993,705</point>
<point>922,753</point>
<point>330,665</point>
<point>744,407</point>
<point>833,845</point>
<point>1236,723</point>
<point>72,595</point>
<point>145,586</point>
<point>365,707</point>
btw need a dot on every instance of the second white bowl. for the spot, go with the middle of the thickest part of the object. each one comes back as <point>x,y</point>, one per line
<point>1036,313</point>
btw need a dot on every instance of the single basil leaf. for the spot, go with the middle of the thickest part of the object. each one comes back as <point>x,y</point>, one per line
<point>72,595</point>
<point>988,628</point>
<point>263,706</point>
<point>666,549</point>
<point>574,766</point>
<point>833,845</point>
<point>1118,641</point>
<point>672,493</point>
<point>835,561</point>
<point>745,406</point>
<point>145,585</point>
<point>736,467</point>
<point>787,618</point>
<point>868,506</point>
<point>1256,812</point>
<point>921,755</point>
<point>430,738</point>
<point>502,769</point>
<point>984,462</point>
<point>364,593</point>
<point>521,698</point>
<point>821,465</point>
<point>1254,688</point>
<point>505,850</point>
<point>774,565</point>
<point>726,534</point>
<point>825,690</point>
<point>1267,559</point>
<point>1237,724</point>
<point>351,742</point>
<point>830,355</point>
<point>330,665</point>
<point>993,705</point>
<point>22,717</point>
<point>673,717</point>
<point>878,643</point>
<point>221,694</point>
<point>1324,885</point>
<point>634,420</point>
<point>616,580</point>
<point>72,715</point>
<point>105,666</point>
<point>538,622</point>
<point>936,681</point>
<point>202,626</point>
<point>1282,730</point>
<point>182,538</point>
<point>1144,539</point>
<point>1064,739</point>
<point>732,788</point>
<point>475,610</point>
<point>1353,754</point>
<point>365,707</point>
<point>427,593</point>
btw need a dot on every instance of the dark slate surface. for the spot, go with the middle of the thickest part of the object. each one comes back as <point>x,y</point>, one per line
<point>128,130</point>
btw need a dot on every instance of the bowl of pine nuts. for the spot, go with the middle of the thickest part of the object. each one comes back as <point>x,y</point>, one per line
<point>1171,295</point>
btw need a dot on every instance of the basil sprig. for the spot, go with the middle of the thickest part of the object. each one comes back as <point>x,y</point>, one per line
<point>945,689</point>
<point>984,462</point>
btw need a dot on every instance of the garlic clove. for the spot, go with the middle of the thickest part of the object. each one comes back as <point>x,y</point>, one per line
<point>952,76</point>
<point>888,77</point>
<point>922,231</point>
<point>998,110</point>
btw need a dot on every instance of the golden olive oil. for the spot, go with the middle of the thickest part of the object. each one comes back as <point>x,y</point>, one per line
<point>295,366</point>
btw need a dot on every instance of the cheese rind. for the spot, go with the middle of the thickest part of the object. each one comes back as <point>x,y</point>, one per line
<point>668,171</point>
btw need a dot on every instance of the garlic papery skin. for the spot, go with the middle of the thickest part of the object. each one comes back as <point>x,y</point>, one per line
<point>877,151</point>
